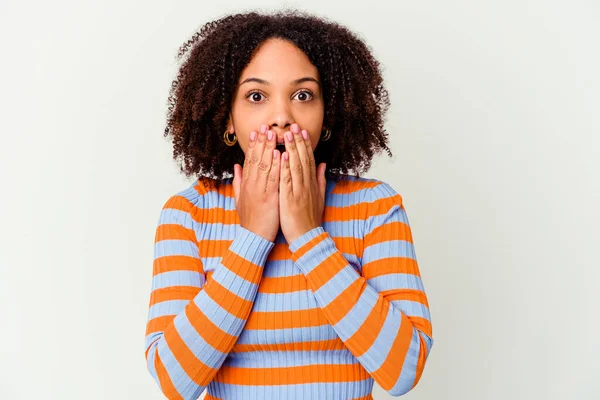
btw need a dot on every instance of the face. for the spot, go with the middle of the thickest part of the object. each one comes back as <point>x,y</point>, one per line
<point>279,87</point>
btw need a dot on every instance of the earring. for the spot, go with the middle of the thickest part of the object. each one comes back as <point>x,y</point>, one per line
<point>229,142</point>
<point>326,136</point>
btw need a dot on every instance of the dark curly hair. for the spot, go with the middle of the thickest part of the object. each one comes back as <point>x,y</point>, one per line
<point>355,100</point>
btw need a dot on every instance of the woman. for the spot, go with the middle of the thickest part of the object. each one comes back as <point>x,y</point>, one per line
<point>292,279</point>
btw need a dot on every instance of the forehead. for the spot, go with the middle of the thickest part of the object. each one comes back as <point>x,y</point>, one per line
<point>279,61</point>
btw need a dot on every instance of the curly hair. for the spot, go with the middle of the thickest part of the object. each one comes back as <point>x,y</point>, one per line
<point>355,100</point>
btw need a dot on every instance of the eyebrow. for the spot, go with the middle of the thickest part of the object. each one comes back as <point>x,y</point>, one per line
<point>296,82</point>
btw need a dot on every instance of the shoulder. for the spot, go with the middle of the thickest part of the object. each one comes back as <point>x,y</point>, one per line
<point>189,201</point>
<point>365,190</point>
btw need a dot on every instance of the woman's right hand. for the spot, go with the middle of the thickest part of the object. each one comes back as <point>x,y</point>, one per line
<point>256,186</point>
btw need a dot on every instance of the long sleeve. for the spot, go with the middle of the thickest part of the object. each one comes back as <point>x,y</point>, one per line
<point>194,320</point>
<point>382,316</point>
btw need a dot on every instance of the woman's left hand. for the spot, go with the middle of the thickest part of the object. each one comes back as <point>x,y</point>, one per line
<point>301,187</point>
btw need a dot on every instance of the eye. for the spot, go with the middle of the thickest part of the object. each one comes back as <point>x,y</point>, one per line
<point>305,93</point>
<point>253,96</point>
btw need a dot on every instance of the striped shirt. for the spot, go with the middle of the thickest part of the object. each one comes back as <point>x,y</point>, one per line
<point>324,317</point>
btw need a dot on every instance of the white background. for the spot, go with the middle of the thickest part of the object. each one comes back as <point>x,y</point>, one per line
<point>494,124</point>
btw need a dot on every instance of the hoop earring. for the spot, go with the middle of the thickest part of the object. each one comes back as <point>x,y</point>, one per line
<point>229,142</point>
<point>326,136</point>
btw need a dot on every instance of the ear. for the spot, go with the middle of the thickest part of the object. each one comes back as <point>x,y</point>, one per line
<point>230,127</point>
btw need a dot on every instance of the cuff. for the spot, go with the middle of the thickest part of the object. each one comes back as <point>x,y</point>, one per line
<point>312,248</point>
<point>251,246</point>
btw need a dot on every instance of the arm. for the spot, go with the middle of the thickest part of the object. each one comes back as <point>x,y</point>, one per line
<point>382,316</point>
<point>194,321</point>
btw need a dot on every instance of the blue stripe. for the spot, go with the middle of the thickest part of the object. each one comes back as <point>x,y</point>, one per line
<point>279,302</point>
<point>316,255</point>
<point>184,385</point>
<point>218,315</point>
<point>280,359</point>
<point>236,284</point>
<point>175,248</point>
<point>375,356</point>
<point>409,368</point>
<point>391,248</point>
<point>338,229</point>
<point>319,390</point>
<point>150,363</point>
<point>353,320</point>
<point>287,335</point>
<point>164,308</point>
<point>412,308</point>
<point>177,278</point>
<point>336,285</point>
<point>175,216</point>
<point>396,281</point>
<point>196,343</point>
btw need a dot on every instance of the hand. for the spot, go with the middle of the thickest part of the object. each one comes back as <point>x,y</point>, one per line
<point>256,186</point>
<point>301,187</point>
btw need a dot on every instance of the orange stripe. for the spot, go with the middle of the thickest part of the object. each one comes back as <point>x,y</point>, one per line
<point>286,319</point>
<point>309,245</point>
<point>392,265</point>
<point>343,303</point>
<point>210,332</point>
<point>213,247</point>
<point>158,324</point>
<point>193,367</point>
<point>406,294</point>
<point>291,375</point>
<point>331,344</point>
<point>208,396</point>
<point>422,324</point>
<point>177,263</point>
<point>387,375</point>
<point>173,293</point>
<point>367,397</point>
<point>174,232</point>
<point>349,187</point>
<point>395,230</point>
<point>326,270</point>
<point>229,301</point>
<point>421,361</point>
<point>242,267</point>
<point>220,215</point>
<point>165,381</point>
<point>365,336</point>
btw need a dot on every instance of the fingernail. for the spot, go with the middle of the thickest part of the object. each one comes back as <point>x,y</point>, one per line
<point>252,135</point>
<point>270,134</point>
<point>295,128</point>
<point>304,134</point>
<point>288,136</point>
<point>263,128</point>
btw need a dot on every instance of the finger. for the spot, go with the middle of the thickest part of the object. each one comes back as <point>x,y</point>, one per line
<point>309,153</point>
<point>322,180</point>
<point>285,177</point>
<point>256,163</point>
<point>264,166</point>
<point>249,154</point>
<point>274,173</point>
<point>294,163</point>
<point>308,174</point>
<point>236,182</point>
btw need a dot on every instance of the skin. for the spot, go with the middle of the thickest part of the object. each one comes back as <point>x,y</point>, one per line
<point>281,102</point>
<point>286,104</point>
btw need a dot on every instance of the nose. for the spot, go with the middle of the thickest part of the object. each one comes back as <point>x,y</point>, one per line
<point>280,118</point>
